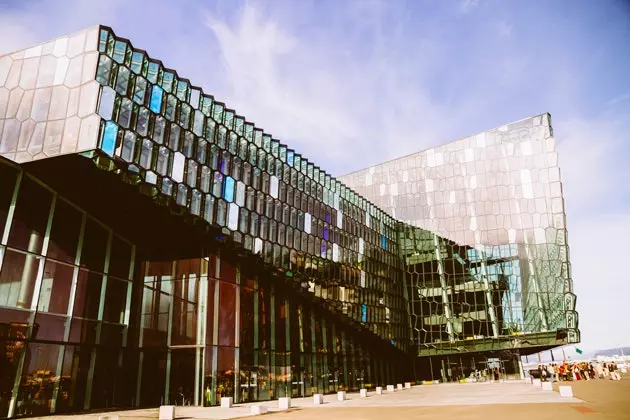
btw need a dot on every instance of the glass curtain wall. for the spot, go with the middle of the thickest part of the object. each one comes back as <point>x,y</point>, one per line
<point>211,330</point>
<point>65,295</point>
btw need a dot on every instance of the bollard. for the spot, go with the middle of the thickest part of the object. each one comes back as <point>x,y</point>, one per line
<point>341,395</point>
<point>363,393</point>
<point>318,399</point>
<point>257,409</point>
<point>399,386</point>
<point>390,388</point>
<point>167,412</point>
<point>284,403</point>
<point>379,390</point>
<point>546,386</point>
<point>407,385</point>
<point>566,391</point>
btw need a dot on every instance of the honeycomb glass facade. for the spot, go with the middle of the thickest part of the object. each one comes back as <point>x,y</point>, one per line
<point>157,248</point>
<point>484,243</point>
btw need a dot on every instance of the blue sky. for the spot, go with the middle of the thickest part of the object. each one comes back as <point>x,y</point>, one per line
<point>350,83</point>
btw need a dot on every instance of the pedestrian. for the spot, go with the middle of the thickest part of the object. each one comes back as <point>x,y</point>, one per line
<point>552,373</point>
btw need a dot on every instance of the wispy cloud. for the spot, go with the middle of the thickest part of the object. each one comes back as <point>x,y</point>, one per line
<point>620,98</point>
<point>466,6</point>
<point>504,28</point>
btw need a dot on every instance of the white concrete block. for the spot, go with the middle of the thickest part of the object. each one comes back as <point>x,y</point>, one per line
<point>536,383</point>
<point>390,388</point>
<point>436,382</point>
<point>399,387</point>
<point>407,385</point>
<point>284,403</point>
<point>379,390</point>
<point>363,393</point>
<point>318,399</point>
<point>258,409</point>
<point>167,412</point>
<point>546,386</point>
<point>566,391</point>
<point>226,402</point>
<point>341,395</point>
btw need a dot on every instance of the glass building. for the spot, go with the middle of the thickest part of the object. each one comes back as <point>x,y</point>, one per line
<point>484,245</point>
<point>157,248</point>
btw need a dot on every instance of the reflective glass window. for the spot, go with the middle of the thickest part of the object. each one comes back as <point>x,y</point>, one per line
<point>30,217</point>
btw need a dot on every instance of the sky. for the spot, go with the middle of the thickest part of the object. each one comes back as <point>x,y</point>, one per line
<point>351,83</point>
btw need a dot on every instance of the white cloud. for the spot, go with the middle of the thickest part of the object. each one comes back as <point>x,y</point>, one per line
<point>466,6</point>
<point>504,28</point>
<point>593,155</point>
<point>314,91</point>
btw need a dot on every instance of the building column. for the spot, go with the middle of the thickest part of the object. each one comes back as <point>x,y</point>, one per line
<point>445,300</point>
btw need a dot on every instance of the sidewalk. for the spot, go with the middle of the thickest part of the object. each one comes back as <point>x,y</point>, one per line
<point>442,395</point>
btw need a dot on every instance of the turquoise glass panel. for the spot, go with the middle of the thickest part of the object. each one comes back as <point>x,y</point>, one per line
<point>290,155</point>
<point>383,242</point>
<point>156,99</point>
<point>108,144</point>
<point>228,189</point>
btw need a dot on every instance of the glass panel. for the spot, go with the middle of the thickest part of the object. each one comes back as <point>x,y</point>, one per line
<point>35,395</point>
<point>124,113</point>
<point>129,146</point>
<point>178,167</point>
<point>142,125</point>
<point>31,216</point>
<point>8,177</point>
<point>225,372</point>
<point>146,154</point>
<point>233,216</point>
<point>137,62</point>
<point>122,81</point>
<point>156,99</point>
<point>120,258</point>
<point>17,279</point>
<point>162,161</point>
<point>108,142</point>
<point>55,290</point>
<point>88,295</point>
<point>227,314</point>
<point>106,105</point>
<point>94,246</point>
<point>153,72</point>
<point>159,129</point>
<point>115,301</point>
<point>103,72</point>
<point>228,189</point>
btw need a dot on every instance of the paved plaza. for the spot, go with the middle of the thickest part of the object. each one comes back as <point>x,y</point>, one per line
<point>599,399</point>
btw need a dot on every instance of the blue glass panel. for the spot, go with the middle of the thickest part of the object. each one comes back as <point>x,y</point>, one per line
<point>108,144</point>
<point>290,158</point>
<point>326,232</point>
<point>323,249</point>
<point>156,99</point>
<point>383,241</point>
<point>364,313</point>
<point>327,216</point>
<point>228,189</point>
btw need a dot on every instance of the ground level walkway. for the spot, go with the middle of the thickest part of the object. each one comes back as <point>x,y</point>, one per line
<point>599,399</point>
